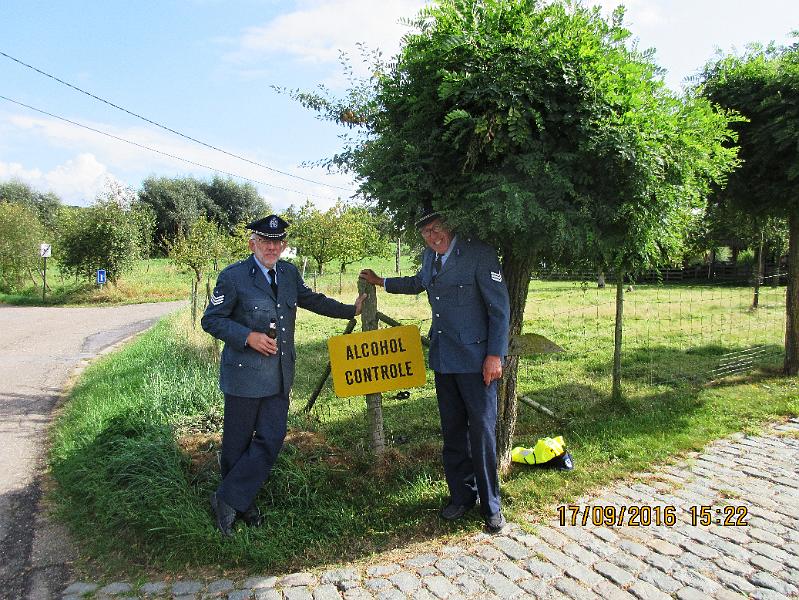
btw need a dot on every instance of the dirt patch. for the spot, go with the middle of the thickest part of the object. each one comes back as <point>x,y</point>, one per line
<point>201,450</point>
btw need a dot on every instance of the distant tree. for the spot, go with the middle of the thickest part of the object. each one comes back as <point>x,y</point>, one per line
<point>361,234</point>
<point>102,236</point>
<point>314,233</point>
<point>176,202</point>
<point>231,203</point>
<point>198,250</point>
<point>20,237</point>
<point>763,86</point>
<point>46,204</point>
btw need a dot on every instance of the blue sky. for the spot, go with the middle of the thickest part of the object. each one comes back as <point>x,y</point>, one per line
<point>206,67</point>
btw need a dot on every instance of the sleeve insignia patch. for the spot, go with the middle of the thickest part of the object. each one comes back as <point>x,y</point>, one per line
<point>496,276</point>
<point>217,300</point>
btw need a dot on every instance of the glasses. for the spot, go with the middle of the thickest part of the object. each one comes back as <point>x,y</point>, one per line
<point>428,231</point>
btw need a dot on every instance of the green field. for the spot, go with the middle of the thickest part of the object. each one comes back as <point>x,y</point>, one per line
<point>134,453</point>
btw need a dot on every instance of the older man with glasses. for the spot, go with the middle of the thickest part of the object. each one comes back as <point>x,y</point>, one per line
<point>468,342</point>
<point>253,310</point>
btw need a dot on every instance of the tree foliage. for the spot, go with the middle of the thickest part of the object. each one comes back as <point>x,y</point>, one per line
<point>20,237</point>
<point>102,236</point>
<point>46,204</point>
<point>763,86</point>
<point>540,127</point>
<point>199,250</point>
<point>342,233</point>
<point>179,202</point>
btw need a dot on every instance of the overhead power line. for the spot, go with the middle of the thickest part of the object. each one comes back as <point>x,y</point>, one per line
<point>169,129</point>
<point>161,152</point>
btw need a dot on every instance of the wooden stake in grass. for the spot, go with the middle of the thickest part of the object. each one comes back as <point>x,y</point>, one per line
<point>374,402</point>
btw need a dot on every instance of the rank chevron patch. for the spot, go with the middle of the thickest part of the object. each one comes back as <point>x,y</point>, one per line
<point>217,300</point>
<point>496,276</point>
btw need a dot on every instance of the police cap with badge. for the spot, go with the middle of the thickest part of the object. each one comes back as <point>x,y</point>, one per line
<point>425,214</point>
<point>271,227</point>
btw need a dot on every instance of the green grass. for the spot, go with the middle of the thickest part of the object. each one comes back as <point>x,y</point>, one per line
<point>134,452</point>
<point>153,280</point>
<point>158,280</point>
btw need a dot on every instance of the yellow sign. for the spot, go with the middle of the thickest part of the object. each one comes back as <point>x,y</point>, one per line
<point>376,361</point>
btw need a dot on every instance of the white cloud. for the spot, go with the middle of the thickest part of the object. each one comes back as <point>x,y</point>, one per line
<point>318,29</point>
<point>17,171</point>
<point>77,181</point>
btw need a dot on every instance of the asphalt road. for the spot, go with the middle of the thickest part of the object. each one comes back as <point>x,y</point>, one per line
<point>39,348</point>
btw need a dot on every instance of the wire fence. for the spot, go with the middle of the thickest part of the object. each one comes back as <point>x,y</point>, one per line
<point>663,323</point>
<point>675,333</point>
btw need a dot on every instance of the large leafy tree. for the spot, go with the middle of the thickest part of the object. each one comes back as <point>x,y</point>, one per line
<point>763,86</point>
<point>538,127</point>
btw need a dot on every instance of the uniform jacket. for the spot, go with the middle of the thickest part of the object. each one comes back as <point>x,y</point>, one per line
<point>243,302</point>
<point>471,309</point>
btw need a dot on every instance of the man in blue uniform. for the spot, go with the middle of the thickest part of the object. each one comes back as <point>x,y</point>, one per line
<point>257,370</point>
<point>468,341</point>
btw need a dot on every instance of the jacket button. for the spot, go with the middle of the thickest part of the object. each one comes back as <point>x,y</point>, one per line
<point>282,354</point>
<point>437,298</point>
<point>438,315</point>
<point>281,316</point>
<point>439,331</point>
<point>256,308</point>
<point>278,305</point>
<point>240,363</point>
<point>283,329</point>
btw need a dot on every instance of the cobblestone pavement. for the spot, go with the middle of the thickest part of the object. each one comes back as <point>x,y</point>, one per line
<point>683,560</point>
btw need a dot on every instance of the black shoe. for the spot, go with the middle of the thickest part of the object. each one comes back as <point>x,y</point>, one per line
<point>495,523</point>
<point>224,515</point>
<point>452,511</point>
<point>252,517</point>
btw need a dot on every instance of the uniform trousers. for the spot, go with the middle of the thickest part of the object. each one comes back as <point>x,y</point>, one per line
<point>254,430</point>
<point>468,410</point>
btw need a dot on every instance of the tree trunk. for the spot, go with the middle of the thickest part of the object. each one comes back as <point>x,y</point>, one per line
<point>399,254</point>
<point>616,393</point>
<point>374,402</point>
<point>194,285</point>
<point>711,263</point>
<point>517,269</point>
<point>791,366</point>
<point>758,272</point>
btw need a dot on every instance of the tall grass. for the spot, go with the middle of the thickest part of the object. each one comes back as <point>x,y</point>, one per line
<point>134,453</point>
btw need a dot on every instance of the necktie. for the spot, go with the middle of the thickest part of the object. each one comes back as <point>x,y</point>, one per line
<point>437,266</point>
<point>273,282</point>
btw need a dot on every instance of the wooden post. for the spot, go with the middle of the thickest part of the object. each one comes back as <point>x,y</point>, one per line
<point>618,336</point>
<point>399,250</point>
<point>374,402</point>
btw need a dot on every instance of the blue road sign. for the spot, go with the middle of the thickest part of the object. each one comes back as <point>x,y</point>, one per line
<point>100,276</point>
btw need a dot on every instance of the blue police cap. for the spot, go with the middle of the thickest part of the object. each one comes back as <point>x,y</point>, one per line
<point>425,214</point>
<point>272,227</point>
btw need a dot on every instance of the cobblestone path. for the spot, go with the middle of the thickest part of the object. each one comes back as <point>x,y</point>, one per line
<point>686,559</point>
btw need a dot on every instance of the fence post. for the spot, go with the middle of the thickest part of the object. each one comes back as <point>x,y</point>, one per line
<point>374,402</point>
